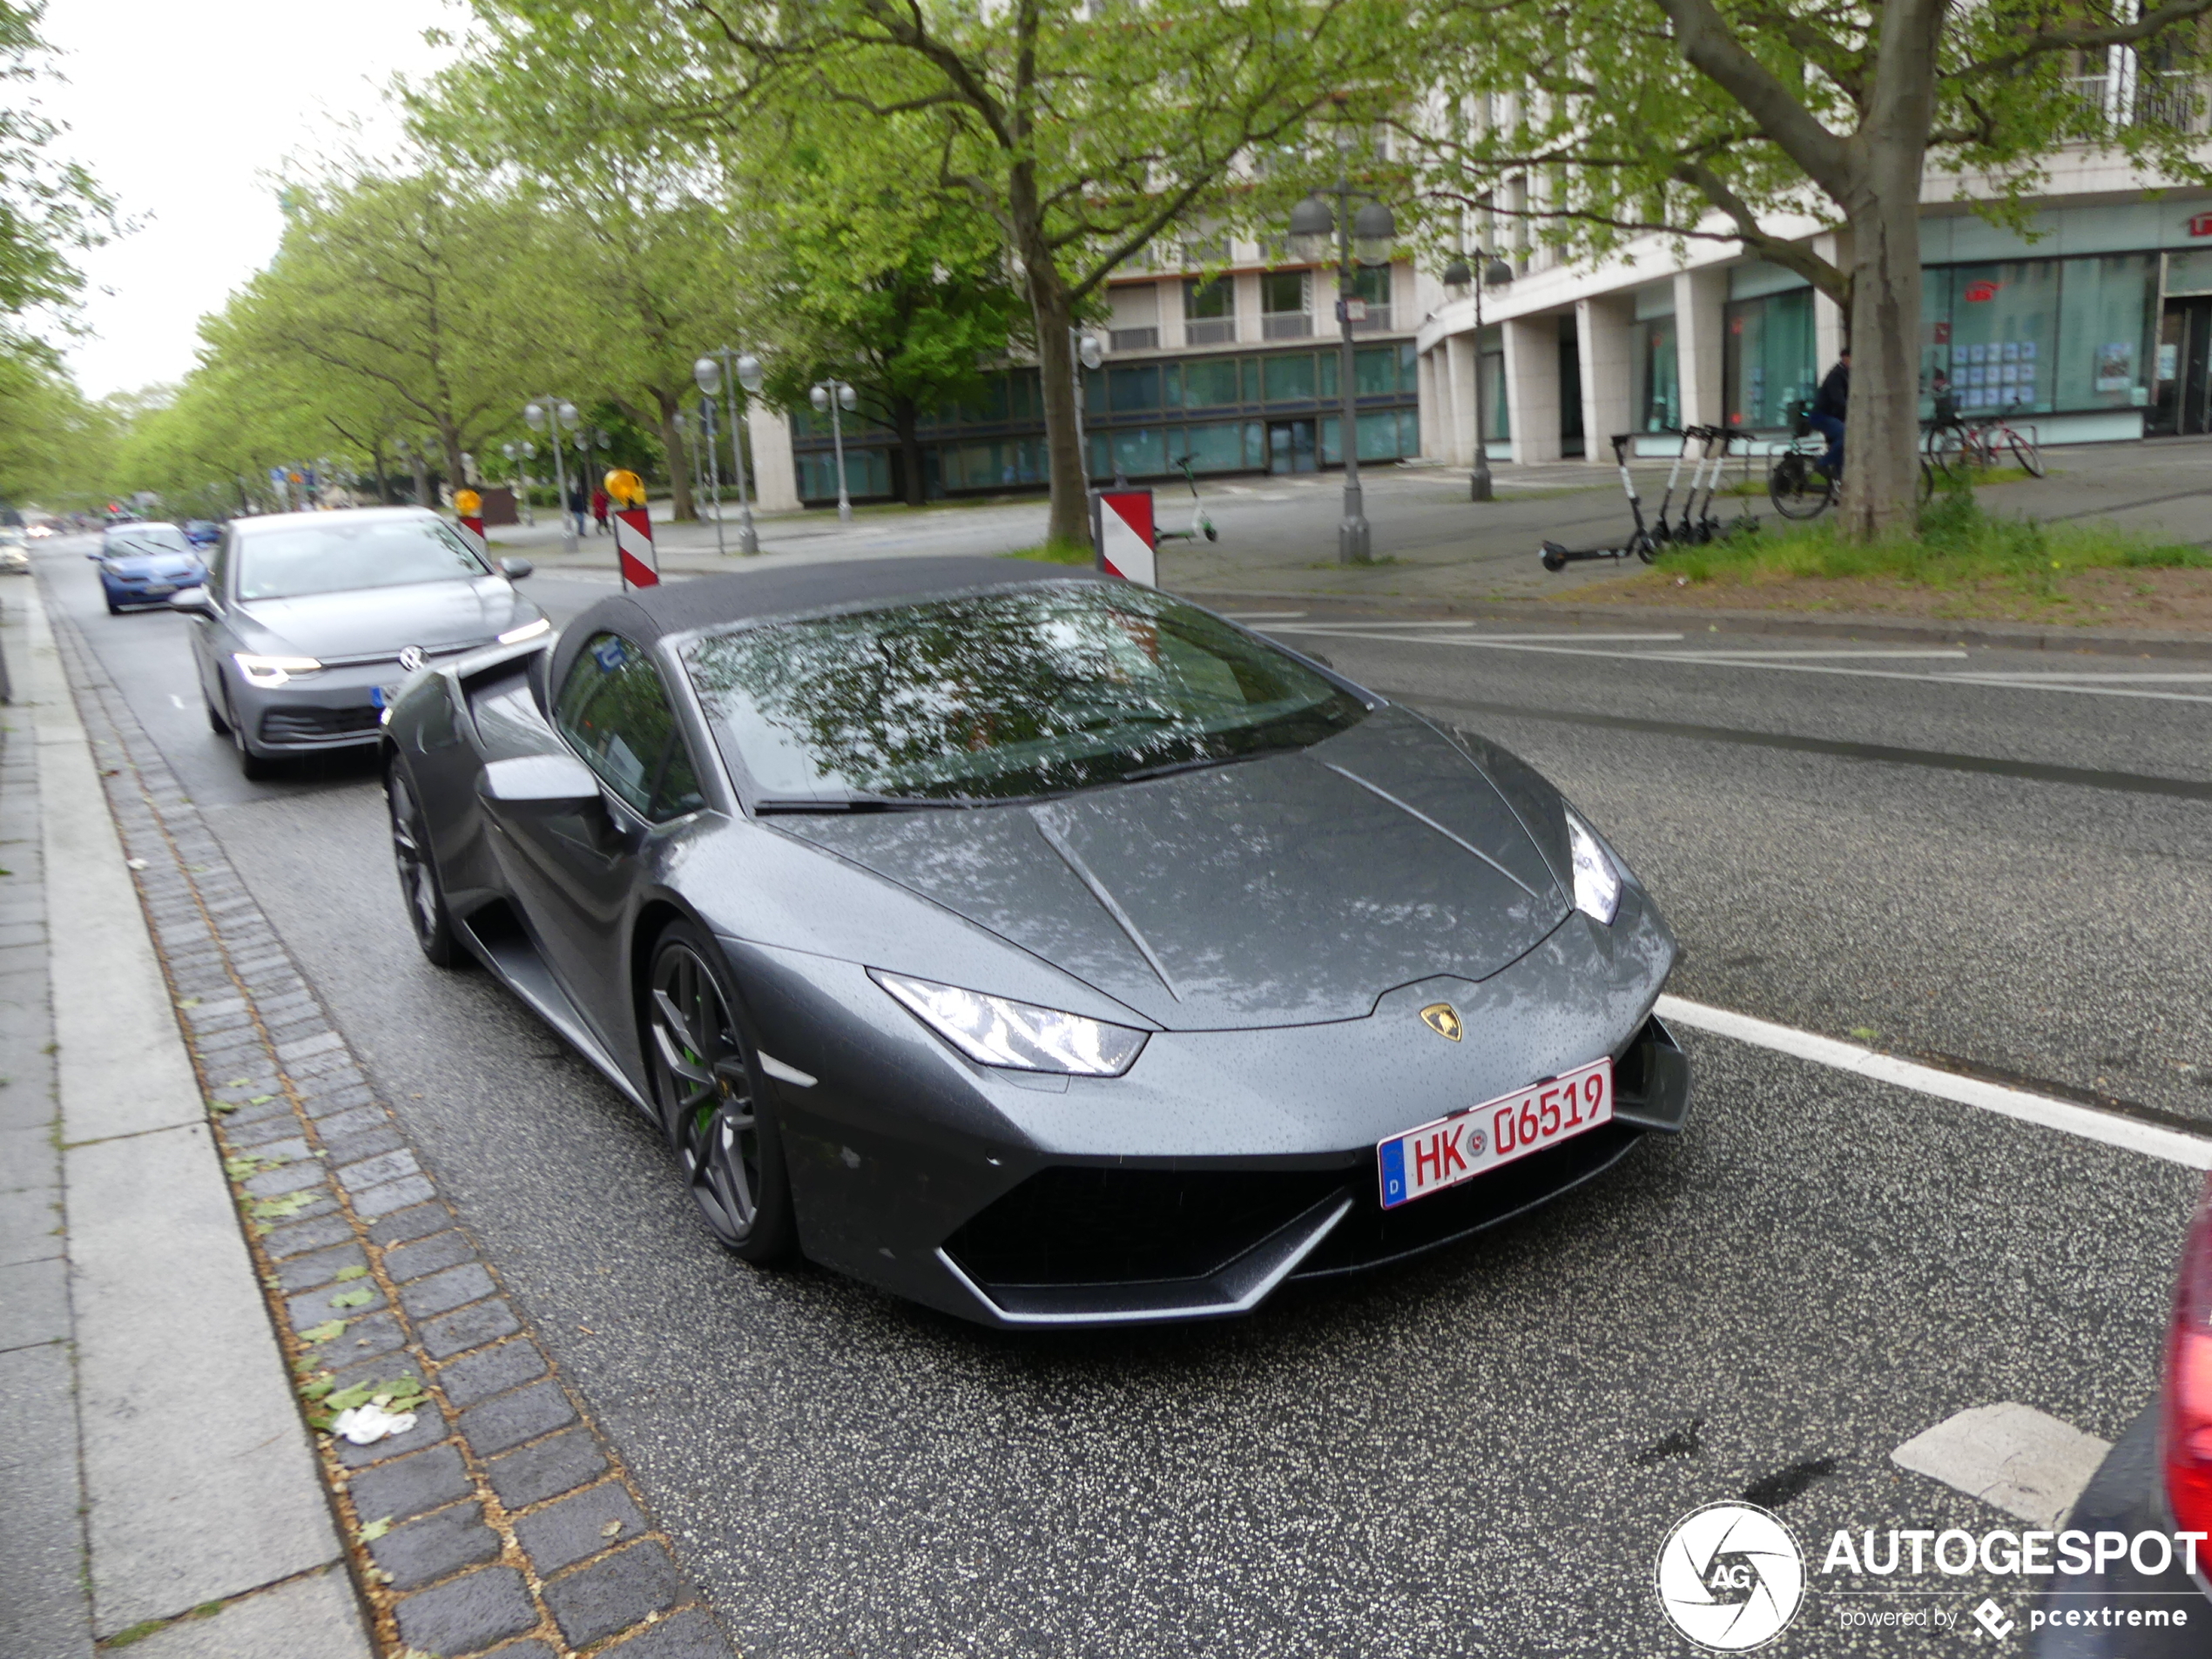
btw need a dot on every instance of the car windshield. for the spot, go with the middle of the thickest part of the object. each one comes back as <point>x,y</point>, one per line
<point>360,553</point>
<point>1001,694</point>
<point>131,541</point>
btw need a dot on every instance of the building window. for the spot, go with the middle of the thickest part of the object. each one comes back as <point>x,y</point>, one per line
<point>1134,390</point>
<point>1289,379</point>
<point>1210,383</point>
<point>1218,448</point>
<point>1490,384</point>
<point>1209,311</point>
<point>1767,359</point>
<point>1285,314</point>
<point>1658,377</point>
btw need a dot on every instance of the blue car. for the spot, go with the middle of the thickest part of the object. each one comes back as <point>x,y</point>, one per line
<point>203,532</point>
<point>142,564</point>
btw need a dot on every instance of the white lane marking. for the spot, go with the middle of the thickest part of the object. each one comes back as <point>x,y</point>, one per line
<point>1263,615</point>
<point>2036,675</point>
<point>1708,660</point>
<point>2026,1462</point>
<point>1794,656</point>
<point>2152,1140</point>
<point>178,701</point>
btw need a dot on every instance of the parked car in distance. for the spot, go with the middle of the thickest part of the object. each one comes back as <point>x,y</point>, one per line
<point>203,532</point>
<point>309,621</point>
<point>142,564</point>
<point>15,551</point>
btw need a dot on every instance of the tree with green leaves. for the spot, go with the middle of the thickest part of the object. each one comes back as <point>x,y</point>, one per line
<point>1079,131</point>
<point>1743,121</point>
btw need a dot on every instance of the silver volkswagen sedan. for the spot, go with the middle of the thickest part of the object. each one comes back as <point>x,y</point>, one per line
<point>308,622</point>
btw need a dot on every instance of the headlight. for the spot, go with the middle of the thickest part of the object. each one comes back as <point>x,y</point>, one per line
<point>269,672</point>
<point>1597,883</point>
<point>527,630</point>
<point>992,1031</point>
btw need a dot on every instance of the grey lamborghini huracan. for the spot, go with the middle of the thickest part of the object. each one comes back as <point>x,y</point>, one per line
<point>1039,947</point>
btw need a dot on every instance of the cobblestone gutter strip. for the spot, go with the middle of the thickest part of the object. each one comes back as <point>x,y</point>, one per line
<point>504,1522</point>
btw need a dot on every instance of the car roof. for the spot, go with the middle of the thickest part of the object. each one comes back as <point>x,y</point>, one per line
<point>264,522</point>
<point>643,617</point>
<point>142,524</point>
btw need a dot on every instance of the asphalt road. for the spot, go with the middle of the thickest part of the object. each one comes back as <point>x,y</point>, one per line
<point>1478,1454</point>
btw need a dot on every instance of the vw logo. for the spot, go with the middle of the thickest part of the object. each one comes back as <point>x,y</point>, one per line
<point>1730,1577</point>
<point>412,658</point>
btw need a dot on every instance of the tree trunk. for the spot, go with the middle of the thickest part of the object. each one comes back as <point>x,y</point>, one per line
<point>906,423</point>
<point>449,441</point>
<point>1882,428</point>
<point>1069,521</point>
<point>383,478</point>
<point>679,458</point>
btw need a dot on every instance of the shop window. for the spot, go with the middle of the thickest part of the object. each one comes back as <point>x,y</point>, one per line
<point>1139,452</point>
<point>1210,383</point>
<point>1218,448</point>
<point>1134,390</point>
<point>1383,436</point>
<point>1658,377</point>
<point>2002,329</point>
<point>867,472</point>
<point>1767,358</point>
<point>1289,379</point>
<point>1374,371</point>
<point>1255,444</point>
<point>2107,309</point>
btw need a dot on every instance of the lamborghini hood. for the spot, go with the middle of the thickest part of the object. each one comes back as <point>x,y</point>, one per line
<point>1285,891</point>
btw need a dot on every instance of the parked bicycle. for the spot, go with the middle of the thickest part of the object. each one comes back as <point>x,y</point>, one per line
<point>1954,447</point>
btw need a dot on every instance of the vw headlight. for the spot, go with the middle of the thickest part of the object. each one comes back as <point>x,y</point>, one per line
<point>993,1031</point>
<point>1597,881</point>
<point>269,672</point>
<point>527,630</point>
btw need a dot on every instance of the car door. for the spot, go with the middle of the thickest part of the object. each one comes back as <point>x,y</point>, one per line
<point>207,627</point>
<point>575,870</point>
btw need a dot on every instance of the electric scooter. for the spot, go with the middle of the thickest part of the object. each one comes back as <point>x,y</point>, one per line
<point>1664,530</point>
<point>1200,524</point>
<point>1639,545</point>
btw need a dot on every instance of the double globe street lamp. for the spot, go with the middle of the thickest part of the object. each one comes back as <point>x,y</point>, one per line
<point>828,397</point>
<point>517,453</point>
<point>1458,276</point>
<point>1368,237</point>
<point>722,372</point>
<point>548,415</point>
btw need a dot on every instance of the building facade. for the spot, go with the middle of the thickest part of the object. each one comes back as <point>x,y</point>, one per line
<point>2092,325</point>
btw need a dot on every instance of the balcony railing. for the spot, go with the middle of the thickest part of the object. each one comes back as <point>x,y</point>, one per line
<point>1209,331</point>
<point>2173,97</point>
<point>1377,321</point>
<point>1286,325</point>
<point>1133,339</point>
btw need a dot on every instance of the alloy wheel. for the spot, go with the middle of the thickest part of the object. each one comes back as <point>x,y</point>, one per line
<point>705,1086</point>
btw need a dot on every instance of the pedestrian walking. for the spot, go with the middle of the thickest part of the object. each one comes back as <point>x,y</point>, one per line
<point>577,504</point>
<point>599,512</point>
<point>1827,416</point>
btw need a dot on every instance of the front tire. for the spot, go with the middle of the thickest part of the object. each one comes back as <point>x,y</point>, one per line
<point>1797,489</point>
<point>2030,457</point>
<point>712,1100</point>
<point>258,769</point>
<point>418,873</point>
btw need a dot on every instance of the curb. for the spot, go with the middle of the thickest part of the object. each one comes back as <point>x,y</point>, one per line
<point>503,1521</point>
<point>1855,625</point>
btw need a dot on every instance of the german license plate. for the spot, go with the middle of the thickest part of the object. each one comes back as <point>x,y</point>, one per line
<point>383,696</point>
<point>159,587</point>
<point>1470,1143</point>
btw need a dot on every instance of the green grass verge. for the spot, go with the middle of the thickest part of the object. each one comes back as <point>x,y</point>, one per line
<point>1958,545</point>
<point>1054,553</point>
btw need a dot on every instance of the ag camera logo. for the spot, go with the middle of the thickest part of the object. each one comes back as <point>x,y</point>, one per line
<point>1730,1577</point>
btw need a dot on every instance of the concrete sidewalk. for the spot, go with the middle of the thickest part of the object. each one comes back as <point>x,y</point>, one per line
<point>162,1484</point>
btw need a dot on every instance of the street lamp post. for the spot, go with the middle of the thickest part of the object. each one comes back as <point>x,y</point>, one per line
<point>1084,353</point>
<point>829,396</point>
<point>725,369</point>
<point>1459,276</point>
<point>1370,232</point>
<point>546,414</point>
<point>708,422</point>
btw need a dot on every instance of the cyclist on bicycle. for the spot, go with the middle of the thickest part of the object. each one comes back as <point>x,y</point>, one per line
<point>1827,416</point>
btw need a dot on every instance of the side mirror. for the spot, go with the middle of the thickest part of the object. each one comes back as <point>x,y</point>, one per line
<point>194,600</point>
<point>516,570</point>
<point>548,783</point>
<point>95,556</point>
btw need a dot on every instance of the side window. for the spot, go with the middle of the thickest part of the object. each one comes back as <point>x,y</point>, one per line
<point>218,566</point>
<point>615,710</point>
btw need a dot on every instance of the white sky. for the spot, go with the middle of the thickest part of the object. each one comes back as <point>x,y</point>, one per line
<point>181,108</point>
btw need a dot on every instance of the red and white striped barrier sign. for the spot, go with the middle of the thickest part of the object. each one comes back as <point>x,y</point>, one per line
<point>1121,523</point>
<point>472,531</point>
<point>634,548</point>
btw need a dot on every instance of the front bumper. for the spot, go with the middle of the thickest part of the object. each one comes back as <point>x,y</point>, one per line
<point>2170,1613</point>
<point>332,709</point>
<point>1223,1164</point>
<point>147,591</point>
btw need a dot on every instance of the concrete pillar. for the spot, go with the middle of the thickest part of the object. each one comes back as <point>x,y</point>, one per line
<point>1429,377</point>
<point>1830,326</point>
<point>775,474</point>
<point>1459,396</point>
<point>1701,307</point>
<point>1605,329</point>
<point>1247,307</point>
<point>1532,386</point>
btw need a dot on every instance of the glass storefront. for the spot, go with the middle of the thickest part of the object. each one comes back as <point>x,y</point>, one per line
<point>1767,359</point>
<point>1658,376</point>
<point>2036,336</point>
